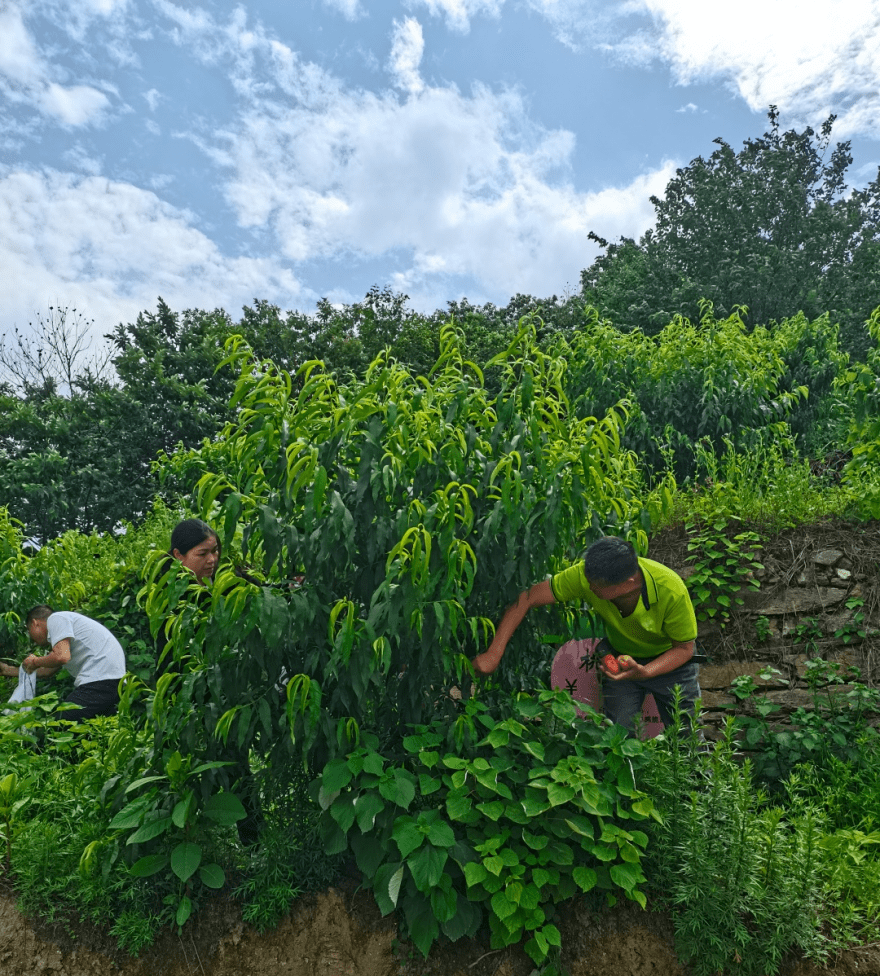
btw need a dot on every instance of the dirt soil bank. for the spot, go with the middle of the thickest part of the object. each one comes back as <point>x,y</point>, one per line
<point>338,933</point>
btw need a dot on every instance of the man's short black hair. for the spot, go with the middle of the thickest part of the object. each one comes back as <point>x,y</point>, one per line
<point>611,560</point>
<point>40,612</point>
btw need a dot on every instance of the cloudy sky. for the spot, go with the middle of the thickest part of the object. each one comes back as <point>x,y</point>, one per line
<point>213,153</point>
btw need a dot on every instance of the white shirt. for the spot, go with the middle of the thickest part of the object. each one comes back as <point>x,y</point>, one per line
<point>95,654</point>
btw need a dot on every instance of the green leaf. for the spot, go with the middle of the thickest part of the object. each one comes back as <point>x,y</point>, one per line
<point>151,829</point>
<point>540,877</point>
<point>627,875</point>
<point>336,775</point>
<point>535,803</point>
<point>502,906</point>
<point>407,835</point>
<point>398,786</point>
<point>585,878</point>
<point>440,834</point>
<point>367,807</point>
<point>458,807</point>
<point>212,875</point>
<point>475,873</point>
<point>427,866</point>
<point>558,794</point>
<point>423,930</point>
<point>537,842</point>
<point>185,859</point>
<point>492,810</point>
<point>182,809</point>
<point>386,886</point>
<point>184,910</point>
<point>130,815</point>
<point>149,865</point>
<point>368,854</point>
<point>224,808</point>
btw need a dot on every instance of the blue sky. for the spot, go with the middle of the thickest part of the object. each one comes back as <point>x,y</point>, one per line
<point>214,153</point>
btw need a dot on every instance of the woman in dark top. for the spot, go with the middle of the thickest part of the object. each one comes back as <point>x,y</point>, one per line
<point>196,546</point>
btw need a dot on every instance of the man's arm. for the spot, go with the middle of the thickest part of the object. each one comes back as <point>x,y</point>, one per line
<point>8,671</point>
<point>668,661</point>
<point>539,595</point>
<point>50,663</point>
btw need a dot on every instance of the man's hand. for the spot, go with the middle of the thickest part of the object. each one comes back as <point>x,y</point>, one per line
<point>31,663</point>
<point>630,670</point>
<point>486,662</point>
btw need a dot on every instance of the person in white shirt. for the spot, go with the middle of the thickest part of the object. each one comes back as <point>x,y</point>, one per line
<point>86,649</point>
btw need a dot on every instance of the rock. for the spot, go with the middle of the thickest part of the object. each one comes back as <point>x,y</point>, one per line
<point>797,600</point>
<point>843,574</point>
<point>827,557</point>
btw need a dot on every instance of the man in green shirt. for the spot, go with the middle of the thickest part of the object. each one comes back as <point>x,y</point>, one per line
<point>648,616</point>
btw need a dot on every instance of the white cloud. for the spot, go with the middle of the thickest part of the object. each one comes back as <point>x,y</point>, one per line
<point>407,47</point>
<point>810,65</point>
<point>350,9</point>
<point>25,76</point>
<point>448,185</point>
<point>809,61</point>
<point>458,13</point>
<point>153,98</point>
<point>110,248</point>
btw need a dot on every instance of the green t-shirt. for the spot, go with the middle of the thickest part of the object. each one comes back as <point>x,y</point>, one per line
<point>663,616</point>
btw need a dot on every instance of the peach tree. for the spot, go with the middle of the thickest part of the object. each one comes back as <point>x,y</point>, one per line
<point>386,524</point>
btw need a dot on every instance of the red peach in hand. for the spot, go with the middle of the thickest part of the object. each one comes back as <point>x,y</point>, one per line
<point>609,662</point>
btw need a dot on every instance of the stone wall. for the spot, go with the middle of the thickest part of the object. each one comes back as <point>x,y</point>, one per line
<point>817,597</point>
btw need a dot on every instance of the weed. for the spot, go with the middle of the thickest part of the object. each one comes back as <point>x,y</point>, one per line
<point>723,565</point>
<point>762,629</point>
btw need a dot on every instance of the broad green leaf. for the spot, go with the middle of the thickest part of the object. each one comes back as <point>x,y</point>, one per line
<point>184,910</point>
<point>427,866</point>
<point>585,878</point>
<point>212,875</point>
<point>185,859</point>
<point>146,866</point>
<point>407,835</point>
<point>367,807</point>
<point>626,875</point>
<point>151,829</point>
<point>224,808</point>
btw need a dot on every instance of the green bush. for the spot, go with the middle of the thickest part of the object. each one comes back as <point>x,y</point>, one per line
<point>503,825</point>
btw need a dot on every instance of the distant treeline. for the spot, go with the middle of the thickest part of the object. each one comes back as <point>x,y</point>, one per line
<point>769,243</point>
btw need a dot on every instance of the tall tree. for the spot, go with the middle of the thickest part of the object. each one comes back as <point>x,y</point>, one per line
<point>773,228</point>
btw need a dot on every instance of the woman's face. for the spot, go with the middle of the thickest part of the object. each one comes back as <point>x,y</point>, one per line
<point>202,559</point>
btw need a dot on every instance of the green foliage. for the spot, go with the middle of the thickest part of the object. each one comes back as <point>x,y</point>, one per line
<point>762,629</point>
<point>506,826</point>
<point>723,565</point>
<point>861,385</point>
<point>772,229</point>
<point>741,878</point>
<point>414,507</point>
<point>835,727</point>
<point>168,820</point>
<point>709,381</point>
<point>769,486</point>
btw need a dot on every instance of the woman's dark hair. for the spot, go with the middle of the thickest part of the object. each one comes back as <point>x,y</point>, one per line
<point>611,560</point>
<point>189,533</point>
